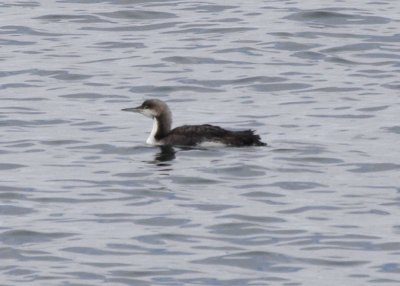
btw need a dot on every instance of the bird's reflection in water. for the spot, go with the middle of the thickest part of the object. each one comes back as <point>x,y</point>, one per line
<point>167,153</point>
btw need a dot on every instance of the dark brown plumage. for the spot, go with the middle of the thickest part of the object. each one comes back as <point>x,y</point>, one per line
<point>192,135</point>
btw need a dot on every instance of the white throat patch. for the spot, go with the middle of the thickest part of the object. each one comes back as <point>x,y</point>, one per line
<point>152,140</point>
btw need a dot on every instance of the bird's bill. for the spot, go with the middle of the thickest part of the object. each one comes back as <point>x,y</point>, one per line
<point>133,109</point>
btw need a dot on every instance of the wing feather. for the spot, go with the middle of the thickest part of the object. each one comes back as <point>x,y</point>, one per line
<point>191,135</point>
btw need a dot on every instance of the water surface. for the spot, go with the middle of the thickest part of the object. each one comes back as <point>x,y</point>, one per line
<point>84,201</point>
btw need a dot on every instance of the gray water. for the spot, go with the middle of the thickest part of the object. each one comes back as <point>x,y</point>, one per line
<point>84,201</point>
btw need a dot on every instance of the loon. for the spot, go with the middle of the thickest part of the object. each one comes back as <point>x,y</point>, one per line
<point>189,135</point>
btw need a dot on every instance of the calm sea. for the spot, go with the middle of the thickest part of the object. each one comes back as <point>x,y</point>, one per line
<point>84,201</point>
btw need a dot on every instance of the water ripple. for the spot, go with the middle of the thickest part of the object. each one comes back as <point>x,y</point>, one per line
<point>84,201</point>
<point>336,18</point>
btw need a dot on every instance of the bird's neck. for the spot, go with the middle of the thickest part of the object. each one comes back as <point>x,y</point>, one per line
<point>161,127</point>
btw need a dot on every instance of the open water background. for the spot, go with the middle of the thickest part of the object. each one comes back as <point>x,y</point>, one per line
<point>83,200</point>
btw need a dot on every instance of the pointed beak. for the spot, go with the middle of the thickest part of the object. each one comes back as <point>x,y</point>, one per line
<point>133,109</point>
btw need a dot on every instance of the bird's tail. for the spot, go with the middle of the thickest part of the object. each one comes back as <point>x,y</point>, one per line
<point>245,138</point>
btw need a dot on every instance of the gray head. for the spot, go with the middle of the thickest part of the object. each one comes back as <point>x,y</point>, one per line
<point>153,108</point>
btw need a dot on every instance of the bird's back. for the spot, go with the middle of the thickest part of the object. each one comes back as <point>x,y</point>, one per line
<point>191,135</point>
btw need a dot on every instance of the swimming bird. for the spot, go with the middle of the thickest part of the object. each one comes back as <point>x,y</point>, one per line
<point>190,135</point>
